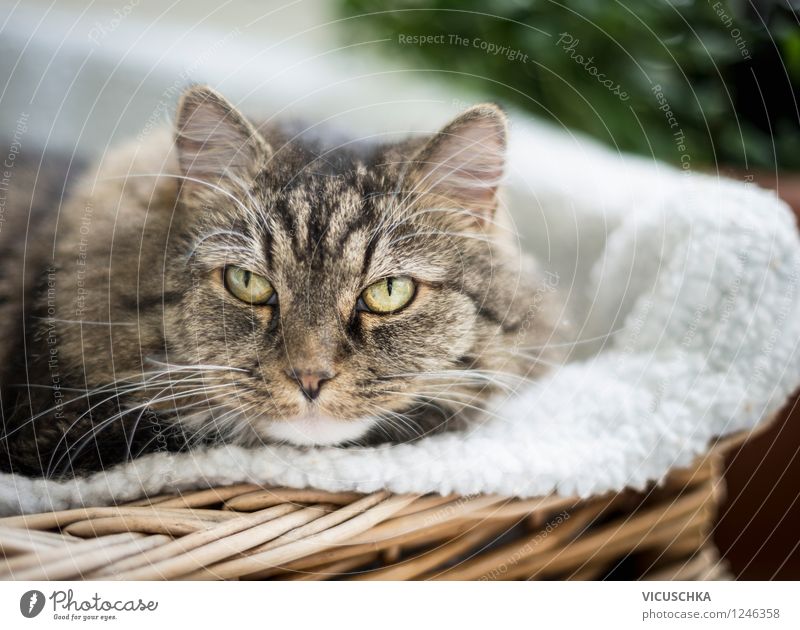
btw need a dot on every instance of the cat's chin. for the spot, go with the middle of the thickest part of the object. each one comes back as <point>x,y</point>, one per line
<point>316,430</point>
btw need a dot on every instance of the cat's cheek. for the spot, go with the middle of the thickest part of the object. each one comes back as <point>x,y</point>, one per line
<point>228,324</point>
<point>449,329</point>
<point>437,329</point>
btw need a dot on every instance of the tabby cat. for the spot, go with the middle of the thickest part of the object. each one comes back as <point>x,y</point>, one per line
<point>225,282</point>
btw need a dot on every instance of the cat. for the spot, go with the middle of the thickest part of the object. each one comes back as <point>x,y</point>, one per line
<point>227,282</point>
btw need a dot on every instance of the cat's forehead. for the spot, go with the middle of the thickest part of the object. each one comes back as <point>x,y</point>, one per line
<point>330,191</point>
<point>321,220</point>
<point>315,204</point>
<point>335,211</point>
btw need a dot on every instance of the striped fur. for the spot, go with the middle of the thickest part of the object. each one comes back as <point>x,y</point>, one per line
<point>132,343</point>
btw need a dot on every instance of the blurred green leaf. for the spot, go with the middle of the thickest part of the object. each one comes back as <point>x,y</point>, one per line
<point>704,55</point>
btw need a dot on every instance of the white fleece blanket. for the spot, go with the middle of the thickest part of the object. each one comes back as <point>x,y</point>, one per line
<point>684,290</point>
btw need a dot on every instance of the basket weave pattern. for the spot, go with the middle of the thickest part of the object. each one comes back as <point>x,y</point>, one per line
<point>249,532</point>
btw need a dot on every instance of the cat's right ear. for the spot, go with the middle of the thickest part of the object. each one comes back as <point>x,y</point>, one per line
<point>461,166</point>
<point>216,145</point>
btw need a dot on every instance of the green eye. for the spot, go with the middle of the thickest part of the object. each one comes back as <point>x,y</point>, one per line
<point>248,286</point>
<point>388,295</point>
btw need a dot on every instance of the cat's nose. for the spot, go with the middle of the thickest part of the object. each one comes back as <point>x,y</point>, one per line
<point>310,381</point>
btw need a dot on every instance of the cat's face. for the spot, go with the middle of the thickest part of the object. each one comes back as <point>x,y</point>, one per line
<point>347,291</point>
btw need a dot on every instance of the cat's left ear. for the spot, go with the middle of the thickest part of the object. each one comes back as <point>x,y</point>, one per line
<point>215,143</point>
<point>461,166</point>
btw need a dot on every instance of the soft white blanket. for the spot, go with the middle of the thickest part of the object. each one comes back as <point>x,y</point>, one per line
<point>684,290</point>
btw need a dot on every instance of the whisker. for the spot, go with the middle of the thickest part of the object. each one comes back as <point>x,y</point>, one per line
<point>84,322</point>
<point>85,438</point>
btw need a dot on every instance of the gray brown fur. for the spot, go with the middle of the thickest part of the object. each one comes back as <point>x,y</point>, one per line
<point>137,259</point>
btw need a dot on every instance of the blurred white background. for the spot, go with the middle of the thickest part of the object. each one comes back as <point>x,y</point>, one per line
<point>88,73</point>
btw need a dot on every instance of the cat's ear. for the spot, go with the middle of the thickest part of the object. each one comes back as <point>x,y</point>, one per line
<point>461,166</point>
<point>215,143</point>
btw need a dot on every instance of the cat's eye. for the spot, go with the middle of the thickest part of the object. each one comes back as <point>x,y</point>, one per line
<point>248,286</point>
<point>388,295</point>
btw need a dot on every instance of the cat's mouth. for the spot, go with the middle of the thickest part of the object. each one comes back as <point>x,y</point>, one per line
<point>315,429</point>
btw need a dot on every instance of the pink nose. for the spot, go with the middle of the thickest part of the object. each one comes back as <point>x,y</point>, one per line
<point>310,381</point>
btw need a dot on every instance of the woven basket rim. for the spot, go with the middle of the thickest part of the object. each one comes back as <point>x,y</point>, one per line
<point>247,530</point>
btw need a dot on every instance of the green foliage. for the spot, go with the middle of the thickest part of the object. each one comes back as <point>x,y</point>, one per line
<point>729,76</point>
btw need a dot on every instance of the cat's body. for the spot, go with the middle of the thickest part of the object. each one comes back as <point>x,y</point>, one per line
<point>132,337</point>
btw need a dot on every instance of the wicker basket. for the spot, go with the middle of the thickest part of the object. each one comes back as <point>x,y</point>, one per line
<point>250,532</point>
